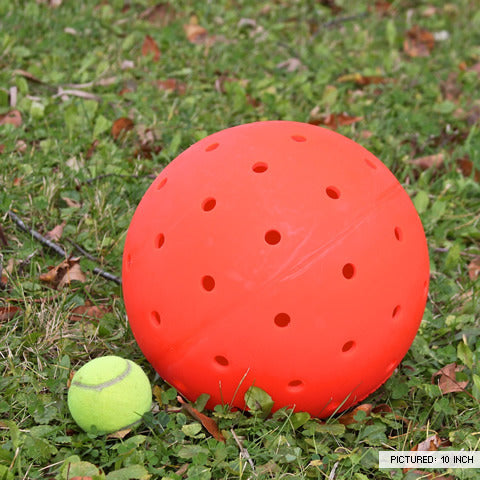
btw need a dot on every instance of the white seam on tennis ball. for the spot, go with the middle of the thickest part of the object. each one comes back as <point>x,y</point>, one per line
<point>109,383</point>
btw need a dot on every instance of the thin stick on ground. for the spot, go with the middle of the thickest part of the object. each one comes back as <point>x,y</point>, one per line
<point>244,452</point>
<point>57,248</point>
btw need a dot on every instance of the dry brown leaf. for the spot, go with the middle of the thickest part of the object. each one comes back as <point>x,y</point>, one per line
<point>56,233</point>
<point>291,65</point>
<point>2,148</point>
<point>71,203</point>
<point>363,80</point>
<point>150,47</point>
<point>447,381</point>
<point>8,312</point>
<point>172,85</point>
<point>474,268</point>
<point>160,14</point>
<point>429,161</point>
<point>64,273</point>
<point>197,34</point>
<point>13,117</point>
<point>121,126</point>
<point>91,149</point>
<point>451,89</point>
<point>89,312</point>
<point>120,434</point>
<point>430,444</point>
<point>418,42</point>
<point>208,423</point>
<point>383,7</point>
<point>349,418</point>
<point>3,237</point>
<point>467,168</point>
<point>334,120</point>
<point>157,393</point>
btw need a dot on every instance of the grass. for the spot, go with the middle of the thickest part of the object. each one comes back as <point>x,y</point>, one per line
<point>62,164</point>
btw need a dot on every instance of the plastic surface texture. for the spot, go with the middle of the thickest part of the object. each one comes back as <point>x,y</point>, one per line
<point>108,394</point>
<point>278,254</point>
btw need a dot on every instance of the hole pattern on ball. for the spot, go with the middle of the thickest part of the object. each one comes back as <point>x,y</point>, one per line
<point>221,360</point>
<point>348,271</point>
<point>333,192</point>
<point>282,320</point>
<point>260,167</point>
<point>159,240</point>
<point>212,147</point>
<point>208,283</point>
<point>281,236</point>
<point>155,317</point>
<point>299,138</point>
<point>162,183</point>
<point>209,204</point>
<point>347,346</point>
<point>272,237</point>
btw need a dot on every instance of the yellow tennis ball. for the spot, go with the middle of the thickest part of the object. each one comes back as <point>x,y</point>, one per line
<point>109,394</point>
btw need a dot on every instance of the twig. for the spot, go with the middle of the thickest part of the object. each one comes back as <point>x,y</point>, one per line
<point>83,251</point>
<point>3,238</point>
<point>57,248</point>
<point>244,452</point>
<point>2,285</point>
<point>339,20</point>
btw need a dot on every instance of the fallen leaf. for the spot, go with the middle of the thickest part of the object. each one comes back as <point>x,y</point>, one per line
<point>430,444</point>
<point>89,312</point>
<point>56,233</point>
<point>91,149</point>
<point>160,14</point>
<point>291,65</point>
<point>334,120</point>
<point>363,80</point>
<point>447,381</point>
<point>8,312</point>
<point>64,274</point>
<point>3,237</point>
<point>157,393</point>
<point>21,146</point>
<point>120,434</point>
<point>13,117</point>
<point>418,42</point>
<point>71,203</point>
<point>474,268</point>
<point>383,7</point>
<point>208,423</point>
<point>467,168</point>
<point>2,148</point>
<point>195,33</point>
<point>349,418</point>
<point>450,87</point>
<point>150,47</point>
<point>121,126</point>
<point>172,85</point>
<point>429,161</point>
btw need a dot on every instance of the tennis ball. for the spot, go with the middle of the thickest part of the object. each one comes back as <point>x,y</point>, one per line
<point>109,394</point>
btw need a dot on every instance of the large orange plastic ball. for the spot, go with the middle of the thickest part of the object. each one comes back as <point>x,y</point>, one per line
<point>281,255</point>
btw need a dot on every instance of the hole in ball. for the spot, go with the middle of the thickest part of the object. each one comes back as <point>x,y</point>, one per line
<point>282,319</point>
<point>209,204</point>
<point>333,192</point>
<point>295,385</point>
<point>161,183</point>
<point>155,316</point>
<point>208,283</point>
<point>272,237</point>
<point>221,360</point>
<point>212,147</point>
<point>159,240</point>
<point>396,311</point>
<point>129,261</point>
<point>260,167</point>
<point>348,346</point>
<point>299,138</point>
<point>398,233</point>
<point>348,271</point>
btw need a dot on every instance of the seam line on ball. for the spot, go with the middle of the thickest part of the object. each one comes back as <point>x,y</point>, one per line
<point>107,384</point>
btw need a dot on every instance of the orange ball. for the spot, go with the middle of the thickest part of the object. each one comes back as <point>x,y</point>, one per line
<point>281,255</point>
